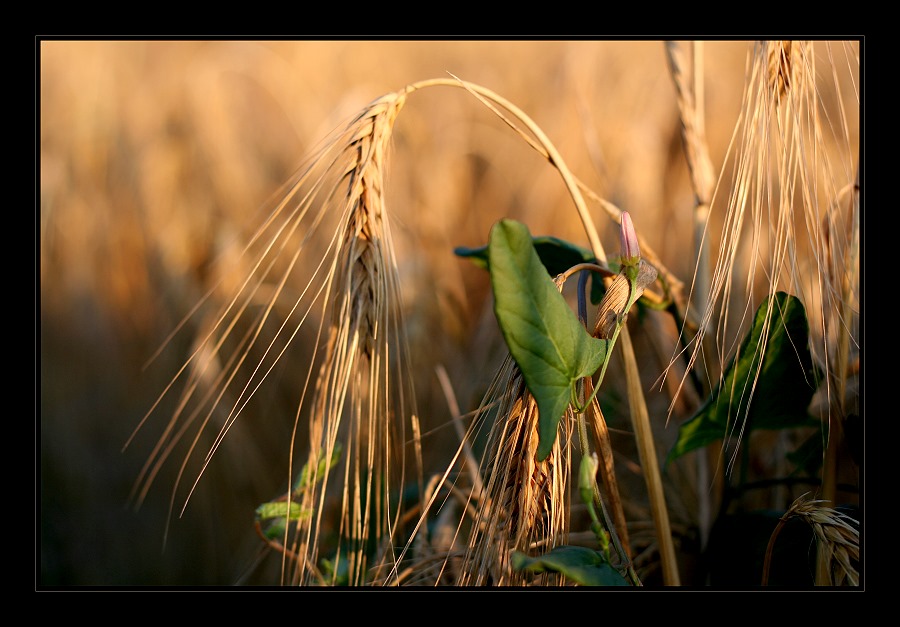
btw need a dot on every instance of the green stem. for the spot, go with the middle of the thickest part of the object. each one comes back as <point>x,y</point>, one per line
<point>585,444</point>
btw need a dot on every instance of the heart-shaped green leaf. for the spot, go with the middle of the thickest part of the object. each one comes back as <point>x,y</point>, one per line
<point>774,396</point>
<point>550,346</point>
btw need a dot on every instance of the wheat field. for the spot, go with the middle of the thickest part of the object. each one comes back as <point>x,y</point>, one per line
<point>161,163</point>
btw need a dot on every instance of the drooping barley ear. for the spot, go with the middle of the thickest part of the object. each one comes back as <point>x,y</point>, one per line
<point>525,501</point>
<point>837,541</point>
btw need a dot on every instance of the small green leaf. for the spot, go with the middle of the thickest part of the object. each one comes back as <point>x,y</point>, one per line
<point>550,346</point>
<point>279,509</point>
<point>783,389</point>
<point>478,256</point>
<point>304,480</point>
<point>276,529</point>
<point>336,575</point>
<point>578,563</point>
<point>556,254</point>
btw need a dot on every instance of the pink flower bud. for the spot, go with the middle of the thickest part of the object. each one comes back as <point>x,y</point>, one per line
<point>631,250</point>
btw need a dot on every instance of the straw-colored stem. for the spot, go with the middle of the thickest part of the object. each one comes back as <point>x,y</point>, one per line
<point>687,75</point>
<point>577,188</point>
<point>647,451</point>
<point>487,97</point>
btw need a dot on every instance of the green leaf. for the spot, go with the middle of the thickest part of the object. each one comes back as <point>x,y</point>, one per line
<point>550,346</point>
<point>578,563</point>
<point>276,529</point>
<point>304,480</point>
<point>279,509</point>
<point>557,256</point>
<point>335,574</point>
<point>784,385</point>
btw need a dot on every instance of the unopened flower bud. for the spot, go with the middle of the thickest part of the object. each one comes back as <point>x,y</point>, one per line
<point>631,250</point>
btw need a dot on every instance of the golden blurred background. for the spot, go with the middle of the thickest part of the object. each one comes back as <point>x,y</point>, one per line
<point>155,155</point>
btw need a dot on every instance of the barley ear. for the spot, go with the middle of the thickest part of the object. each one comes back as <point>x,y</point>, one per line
<point>837,542</point>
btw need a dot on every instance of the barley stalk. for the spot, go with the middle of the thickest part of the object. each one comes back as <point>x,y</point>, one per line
<point>356,394</point>
<point>360,399</point>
